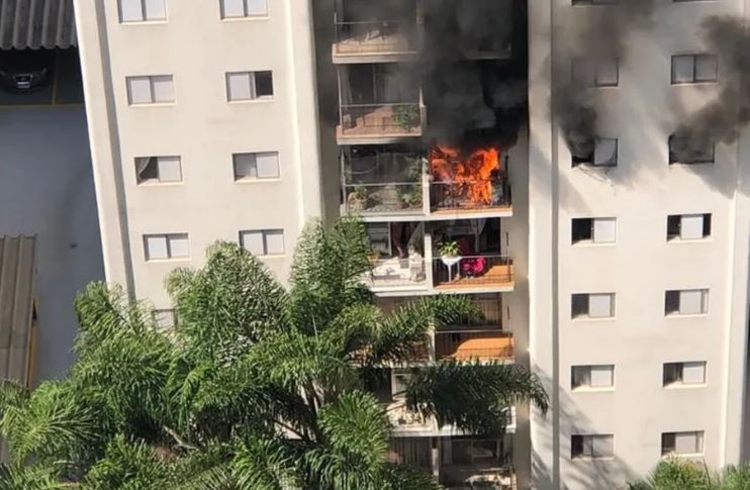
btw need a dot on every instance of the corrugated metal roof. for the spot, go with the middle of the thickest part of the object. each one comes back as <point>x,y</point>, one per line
<point>37,24</point>
<point>16,306</point>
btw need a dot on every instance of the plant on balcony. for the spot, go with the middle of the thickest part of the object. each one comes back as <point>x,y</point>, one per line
<point>357,199</point>
<point>260,386</point>
<point>448,249</point>
<point>406,117</point>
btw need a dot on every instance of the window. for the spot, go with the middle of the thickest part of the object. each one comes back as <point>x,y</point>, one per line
<point>694,68</point>
<point>249,85</point>
<point>151,170</point>
<point>594,230</point>
<point>142,10</point>
<point>684,373</point>
<point>252,166</point>
<point>170,246</point>
<point>592,446</point>
<point>686,302</point>
<point>600,305</point>
<point>592,377</point>
<point>599,73</point>
<point>165,319</point>
<point>604,154</point>
<point>263,242</point>
<point>688,226</point>
<point>594,2</point>
<point>243,8</point>
<point>682,443</point>
<point>689,151</point>
<point>150,90</point>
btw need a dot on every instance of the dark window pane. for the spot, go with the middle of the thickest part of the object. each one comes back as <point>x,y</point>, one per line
<point>263,84</point>
<point>147,168</point>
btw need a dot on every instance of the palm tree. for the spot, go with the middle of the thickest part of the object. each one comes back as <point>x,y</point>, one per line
<point>680,474</point>
<point>260,387</point>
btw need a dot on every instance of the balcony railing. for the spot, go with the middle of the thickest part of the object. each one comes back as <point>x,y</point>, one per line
<point>397,273</point>
<point>403,419</point>
<point>472,271</point>
<point>474,344</point>
<point>383,198</point>
<point>375,38</point>
<point>380,120</point>
<point>470,195</point>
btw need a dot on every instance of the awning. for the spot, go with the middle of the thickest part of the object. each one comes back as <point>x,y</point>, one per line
<point>37,24</point>
<point>16,307</point>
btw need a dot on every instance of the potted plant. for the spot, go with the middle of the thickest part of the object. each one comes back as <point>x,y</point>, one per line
<point>406,117</point>
<point>357,199</point>
<point>448,249</point>
<point>373,255</point>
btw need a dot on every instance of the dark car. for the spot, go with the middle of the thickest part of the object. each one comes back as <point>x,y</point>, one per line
<point>26,70</point>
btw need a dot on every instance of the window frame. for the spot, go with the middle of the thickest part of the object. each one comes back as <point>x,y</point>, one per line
<point>161,311</point>
<point>584,440</point>
<point>264,236</point>
<point>700,443</point>
<point>158,180</point>
<point>257,177</point>
<point>677,369</point>
<point>585,371</point>
<point>152,92</point>
<point>167,237</point>
<point>592,222</point>
<point>677,293</point>
<point>674,227</point>
<point>695,57</point>
<point>587,314</point>
<point>245,8</point>
<point>144,18</point>
<point>253,87</point>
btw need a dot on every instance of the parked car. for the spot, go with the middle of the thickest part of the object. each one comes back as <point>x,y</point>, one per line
<point>26,70</point>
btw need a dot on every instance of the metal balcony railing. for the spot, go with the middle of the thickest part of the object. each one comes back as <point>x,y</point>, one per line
<point>375,37</point>
<point>472,270</point>
<point>394,272</point>
<point>383,198</point>
<point>474,344</point>
<point>373,120</point>
<point>470,194</point>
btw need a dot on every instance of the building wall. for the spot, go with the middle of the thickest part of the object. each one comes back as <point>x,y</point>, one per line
<point>642,111</point>
<point>197,48</point>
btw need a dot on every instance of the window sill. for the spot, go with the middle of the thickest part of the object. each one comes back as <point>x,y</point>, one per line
<point>160,184</point>
<point>588,458</point>
<point>251,180</point>
<point>681,455</point>
<point>266,257</point>
<point>587,389</point>
<point>584,319</point>
<point>246,18</point>
<point>162,261</point>
<point>591,243</point>
<point>680,386</point>
<point>259,100</point>
<point>690,164</point>
<point>151,104</point>
<point>683,84</point>
<point>686,315</point>
<point>689,240</point>
<point>144,22</point>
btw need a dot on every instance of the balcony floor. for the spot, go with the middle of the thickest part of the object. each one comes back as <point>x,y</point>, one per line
<point>376,124</point>
<point>496,276</point>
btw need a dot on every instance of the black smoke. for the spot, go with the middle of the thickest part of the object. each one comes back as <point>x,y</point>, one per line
<point>602,34</point>
<point>721,120</point>
<point>473,70</point>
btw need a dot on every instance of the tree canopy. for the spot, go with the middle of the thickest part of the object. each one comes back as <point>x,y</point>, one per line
<point>259,387</point>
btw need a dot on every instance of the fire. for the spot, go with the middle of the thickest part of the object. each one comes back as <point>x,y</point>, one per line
<point>471,176</point>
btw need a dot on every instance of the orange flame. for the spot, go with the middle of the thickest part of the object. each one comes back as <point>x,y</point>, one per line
<point>470,175</point>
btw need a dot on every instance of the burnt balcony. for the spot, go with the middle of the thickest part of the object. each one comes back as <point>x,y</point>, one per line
<point>389,122</point>
<point>467,195</point>
<point>381,181</point>
<point>374,41</point>
<point>468,344</point>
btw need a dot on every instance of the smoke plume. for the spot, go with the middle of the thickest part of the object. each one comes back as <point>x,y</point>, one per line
<point>473,69</point>
<point>721,120</point>
<point>602,36</point>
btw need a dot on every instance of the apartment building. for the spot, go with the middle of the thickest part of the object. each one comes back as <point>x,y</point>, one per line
<point>613,267</point>
<point>198,111</point>
<point>638,252</point>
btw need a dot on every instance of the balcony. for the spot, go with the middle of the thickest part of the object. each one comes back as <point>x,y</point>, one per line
<point>397,257</point>
<point>382,182</point>
<point>470,344</point>
<point>374,41</point>
<point>473,273</point>
<point>469,196</point>
<point>383,123</point>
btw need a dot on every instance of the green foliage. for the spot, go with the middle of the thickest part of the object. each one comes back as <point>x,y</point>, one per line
<point>448,249</point>
<point>679,474</point>
<point>259,386</point>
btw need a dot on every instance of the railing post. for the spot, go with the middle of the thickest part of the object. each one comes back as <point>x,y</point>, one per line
<point>428,261</point>
<point>426,209</point>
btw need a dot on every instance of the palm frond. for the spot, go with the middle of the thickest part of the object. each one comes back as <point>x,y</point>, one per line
<point>263,464</point>
<point>474,396</point>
